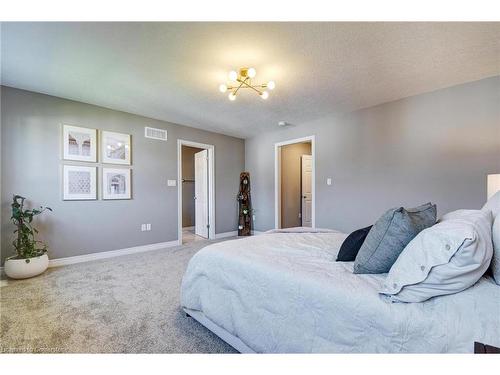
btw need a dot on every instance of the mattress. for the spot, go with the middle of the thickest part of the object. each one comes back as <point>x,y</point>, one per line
<point>284,293</point>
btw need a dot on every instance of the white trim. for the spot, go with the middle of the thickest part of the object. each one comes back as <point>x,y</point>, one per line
<point>226,234</point>
<point>277,182</point>
<point>211,186</point>
<point>232,340</point>
<point>110,254</point>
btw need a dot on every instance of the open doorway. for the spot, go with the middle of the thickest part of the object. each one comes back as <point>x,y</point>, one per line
<point>294,188</point>
<point>196,203</point>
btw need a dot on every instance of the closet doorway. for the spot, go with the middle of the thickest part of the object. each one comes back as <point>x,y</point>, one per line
<point>294,183</point>
<point>196,204</point>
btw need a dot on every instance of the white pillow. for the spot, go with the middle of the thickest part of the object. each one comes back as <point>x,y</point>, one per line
<point>446,258</point>
<point>493,205</point>
<point>495,261</point>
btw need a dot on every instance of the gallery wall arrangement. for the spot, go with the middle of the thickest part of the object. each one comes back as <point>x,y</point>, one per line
<point>80,181</point>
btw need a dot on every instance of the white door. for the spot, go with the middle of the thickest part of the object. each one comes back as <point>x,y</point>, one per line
<point>201,193</point>
<point>306,190</point>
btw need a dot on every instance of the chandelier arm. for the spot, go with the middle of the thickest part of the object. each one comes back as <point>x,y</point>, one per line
<point>239,87</point>
<point>252,87</point>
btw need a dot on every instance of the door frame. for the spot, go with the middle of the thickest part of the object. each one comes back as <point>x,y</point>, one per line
<point>277,179</point>
<point>211,186</point>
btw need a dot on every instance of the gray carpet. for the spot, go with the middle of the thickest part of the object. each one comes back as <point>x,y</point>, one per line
<point>127,304</point>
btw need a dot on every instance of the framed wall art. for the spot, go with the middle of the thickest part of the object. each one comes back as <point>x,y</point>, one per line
<point>116,183</point>
<point>115,148</point>
<point>79,182</point>
<point>79,144</point>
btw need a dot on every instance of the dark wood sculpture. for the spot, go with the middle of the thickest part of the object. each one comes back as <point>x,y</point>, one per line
<point>244,206</point>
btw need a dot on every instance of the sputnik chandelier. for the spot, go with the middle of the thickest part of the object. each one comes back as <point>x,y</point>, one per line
<point>243,80</point>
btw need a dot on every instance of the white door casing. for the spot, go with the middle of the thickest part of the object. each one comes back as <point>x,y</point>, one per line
<point>201,193</point>
<point>277,178</point>
<point>306,196</point>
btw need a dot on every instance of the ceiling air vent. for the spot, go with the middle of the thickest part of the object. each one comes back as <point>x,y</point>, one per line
<point>153,133</point>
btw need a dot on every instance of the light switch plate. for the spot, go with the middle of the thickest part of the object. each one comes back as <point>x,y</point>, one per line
<point>172,183</point>
<point>328,181</point>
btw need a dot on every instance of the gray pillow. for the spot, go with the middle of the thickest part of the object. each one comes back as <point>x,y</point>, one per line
<point>390,235</point>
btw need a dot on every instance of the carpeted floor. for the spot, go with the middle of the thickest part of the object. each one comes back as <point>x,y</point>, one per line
<point>127,304</point>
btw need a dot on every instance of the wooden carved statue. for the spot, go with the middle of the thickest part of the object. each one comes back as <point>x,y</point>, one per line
<point>244,206</point>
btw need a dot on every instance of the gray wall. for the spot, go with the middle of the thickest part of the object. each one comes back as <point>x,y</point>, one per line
<point>188,186</point>
<point>291,183</point>
<point>435,147</point>
<point>31,166</point>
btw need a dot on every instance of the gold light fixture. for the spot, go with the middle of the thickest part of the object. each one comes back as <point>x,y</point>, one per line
<point>243,80</point>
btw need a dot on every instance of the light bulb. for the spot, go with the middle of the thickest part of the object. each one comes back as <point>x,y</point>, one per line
<point>231,96</point>
<point>233,76</point>
<point>251,72</point>
<point>271,85</point>
<point>222,88</point>
<point>264,95</point>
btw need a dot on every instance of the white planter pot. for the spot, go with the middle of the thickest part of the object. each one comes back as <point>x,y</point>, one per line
<point>20,269</point>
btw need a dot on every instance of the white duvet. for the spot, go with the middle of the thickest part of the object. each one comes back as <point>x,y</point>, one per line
<point>284,293</point>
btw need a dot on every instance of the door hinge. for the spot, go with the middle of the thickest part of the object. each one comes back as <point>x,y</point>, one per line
<point>208,226</point>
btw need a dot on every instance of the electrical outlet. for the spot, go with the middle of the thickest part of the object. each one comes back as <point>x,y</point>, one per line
<point>143,227</point>
<point>148,227</point>
<point>328,181</point>
<point>171,182</point>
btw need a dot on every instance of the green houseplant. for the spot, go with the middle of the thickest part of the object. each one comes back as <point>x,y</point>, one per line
<point>30,258</point>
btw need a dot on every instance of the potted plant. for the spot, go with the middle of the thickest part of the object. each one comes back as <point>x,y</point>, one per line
<point>31,255</point>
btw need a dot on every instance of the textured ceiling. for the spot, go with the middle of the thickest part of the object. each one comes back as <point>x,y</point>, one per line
<point>171,71</point>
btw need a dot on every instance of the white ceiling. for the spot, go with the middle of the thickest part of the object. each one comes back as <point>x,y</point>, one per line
<point>171,71</point>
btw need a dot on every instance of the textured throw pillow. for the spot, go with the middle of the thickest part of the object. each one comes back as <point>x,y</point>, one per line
<point>352,244</point>
<point>389,236</point>
<point>444,259</point>
<point>493,205</point>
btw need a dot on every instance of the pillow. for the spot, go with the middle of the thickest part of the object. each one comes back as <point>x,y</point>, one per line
<point>389,236</point>
<point>493,205</point>
<point>444,259</point>
<point>351,245</point>
<point>495,261</point>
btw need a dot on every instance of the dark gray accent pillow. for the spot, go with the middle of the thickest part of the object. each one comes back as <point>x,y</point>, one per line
<point>389,236</point>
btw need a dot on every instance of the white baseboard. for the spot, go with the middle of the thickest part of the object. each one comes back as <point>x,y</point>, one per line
<point>187,228</point>
<point>110,254</point>
<point>130,250</point>
<point>226,234</point>
<point>235,233</point>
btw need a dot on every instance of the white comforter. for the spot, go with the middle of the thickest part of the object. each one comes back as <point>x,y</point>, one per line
<point>284,292</point>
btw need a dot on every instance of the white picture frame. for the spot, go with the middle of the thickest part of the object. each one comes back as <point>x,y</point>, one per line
<point>79,143</point>
<point>79,182</point>
<point>116,148</point>
<point>116,183</point>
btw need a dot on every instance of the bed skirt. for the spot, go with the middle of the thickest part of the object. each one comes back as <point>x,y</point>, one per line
<point>232,340</point>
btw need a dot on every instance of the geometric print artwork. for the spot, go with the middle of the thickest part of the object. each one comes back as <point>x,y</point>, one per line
<point>79,182</point>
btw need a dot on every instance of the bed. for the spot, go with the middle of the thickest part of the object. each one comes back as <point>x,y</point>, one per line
<point>284,293</point>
